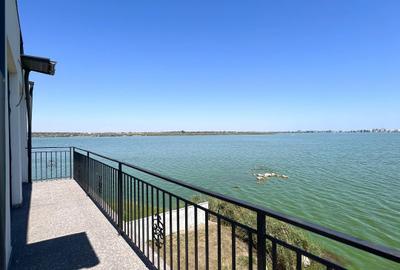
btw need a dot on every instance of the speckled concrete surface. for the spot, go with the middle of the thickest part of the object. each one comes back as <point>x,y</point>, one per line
<point>65,230</point>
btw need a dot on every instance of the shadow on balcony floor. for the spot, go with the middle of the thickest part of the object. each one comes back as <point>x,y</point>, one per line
<point>59,227</point>
<point>67,252</point>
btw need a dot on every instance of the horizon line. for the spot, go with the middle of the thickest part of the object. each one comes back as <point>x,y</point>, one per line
<point>223,131</point>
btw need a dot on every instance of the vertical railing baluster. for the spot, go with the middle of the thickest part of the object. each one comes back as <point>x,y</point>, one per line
<point>105,188</point>
<point>164,224</point>
<point>134,210</point>
<point>143,217</point>
<point>110,173</point>
<point>59,168</point>
<point>90,176</point>
<point>147,220</point>
<point>261,245</point>
<point>36,170</point>
<point>298,260</point>
<point>45,166</point>
<point>250,246</point>
<point>274,256</point>
<point>65,164</point>
<point>56,167</point>
<point>152,223</point>
<point>51,164</point>
<point>178,248</point>
<point>233,246</point>
<point>87,172</point>
<point>196,251</point>
<point>171,243</point>
<point>71,153</point>
<point>41,165</point>
<point>158,216</point>
<point>219,255</point>
<point>120,203</point>
<point>206,239</point>
<point>110,192</point>
<point>115,193</point>
<point>86,177</point>
<point>130,207</point>
<point>124,202</point>
<point>113,204</point>
<point>186,237</point>
<point>55,163</point>
<point>115,172</point>
<point>139,215</point>
<point>61,164</point>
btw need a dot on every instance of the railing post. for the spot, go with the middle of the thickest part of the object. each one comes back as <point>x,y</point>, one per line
<point>71,168</point>
<point>87,173</point>
<point>120,199</point>
<point>261,245</point>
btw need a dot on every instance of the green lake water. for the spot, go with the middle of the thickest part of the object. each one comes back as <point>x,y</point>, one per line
<point>346,182</point>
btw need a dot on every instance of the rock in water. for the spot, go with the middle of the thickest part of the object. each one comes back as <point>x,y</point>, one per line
<point>263,176</point>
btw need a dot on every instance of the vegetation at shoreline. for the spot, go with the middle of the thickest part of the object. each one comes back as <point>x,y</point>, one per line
<point>198,133</point>
<point>162,133</point>
<point>275,228</point>
<point>286,259</point>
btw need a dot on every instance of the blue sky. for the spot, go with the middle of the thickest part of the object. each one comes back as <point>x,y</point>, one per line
<point>215,65</point>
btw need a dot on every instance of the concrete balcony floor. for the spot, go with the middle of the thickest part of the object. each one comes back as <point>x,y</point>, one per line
<point>59,227</point>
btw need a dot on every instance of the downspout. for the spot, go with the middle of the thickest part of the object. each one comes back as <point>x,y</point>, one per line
<point>30,128</point>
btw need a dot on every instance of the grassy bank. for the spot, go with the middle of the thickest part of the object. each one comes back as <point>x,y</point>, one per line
<point>286,259</point>
<point>275,228</point>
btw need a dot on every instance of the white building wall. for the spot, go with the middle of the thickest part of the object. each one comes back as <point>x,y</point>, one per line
<point>13,30</point>
<point>15,81</point>
<point>8,206</point>
<point>16,153</point>
<point>24,140</point>
<point>13,61</point>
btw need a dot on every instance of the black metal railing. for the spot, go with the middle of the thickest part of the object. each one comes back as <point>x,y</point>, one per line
<point>171,231</point>
<point>51,163</point>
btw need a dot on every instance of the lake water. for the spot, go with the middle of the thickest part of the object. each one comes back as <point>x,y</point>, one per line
<point>347,182</point>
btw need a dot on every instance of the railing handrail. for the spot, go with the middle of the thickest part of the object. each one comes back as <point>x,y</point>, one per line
<point>380,250</point>
<point>49,147</point>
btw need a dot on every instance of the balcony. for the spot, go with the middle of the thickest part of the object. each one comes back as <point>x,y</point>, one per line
<point>104,213</point>
<point>59,227</point>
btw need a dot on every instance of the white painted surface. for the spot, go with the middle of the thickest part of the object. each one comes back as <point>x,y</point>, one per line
<point>13,62</point>
<point>166,223</point>
<point>7,178</point>
<point>16,153</point>
<point>24,140</point>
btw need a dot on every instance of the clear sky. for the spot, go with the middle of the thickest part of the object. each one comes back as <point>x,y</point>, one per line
<point>215,65</point>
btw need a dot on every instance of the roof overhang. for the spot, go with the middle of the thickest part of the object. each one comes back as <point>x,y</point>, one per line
<point>38,64</point>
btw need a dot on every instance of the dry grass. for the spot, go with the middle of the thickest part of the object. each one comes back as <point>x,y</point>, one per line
<point>242,255</point>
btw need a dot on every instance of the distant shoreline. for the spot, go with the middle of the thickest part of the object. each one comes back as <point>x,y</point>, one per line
<point>198,133</point>
<point>162,133</point>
